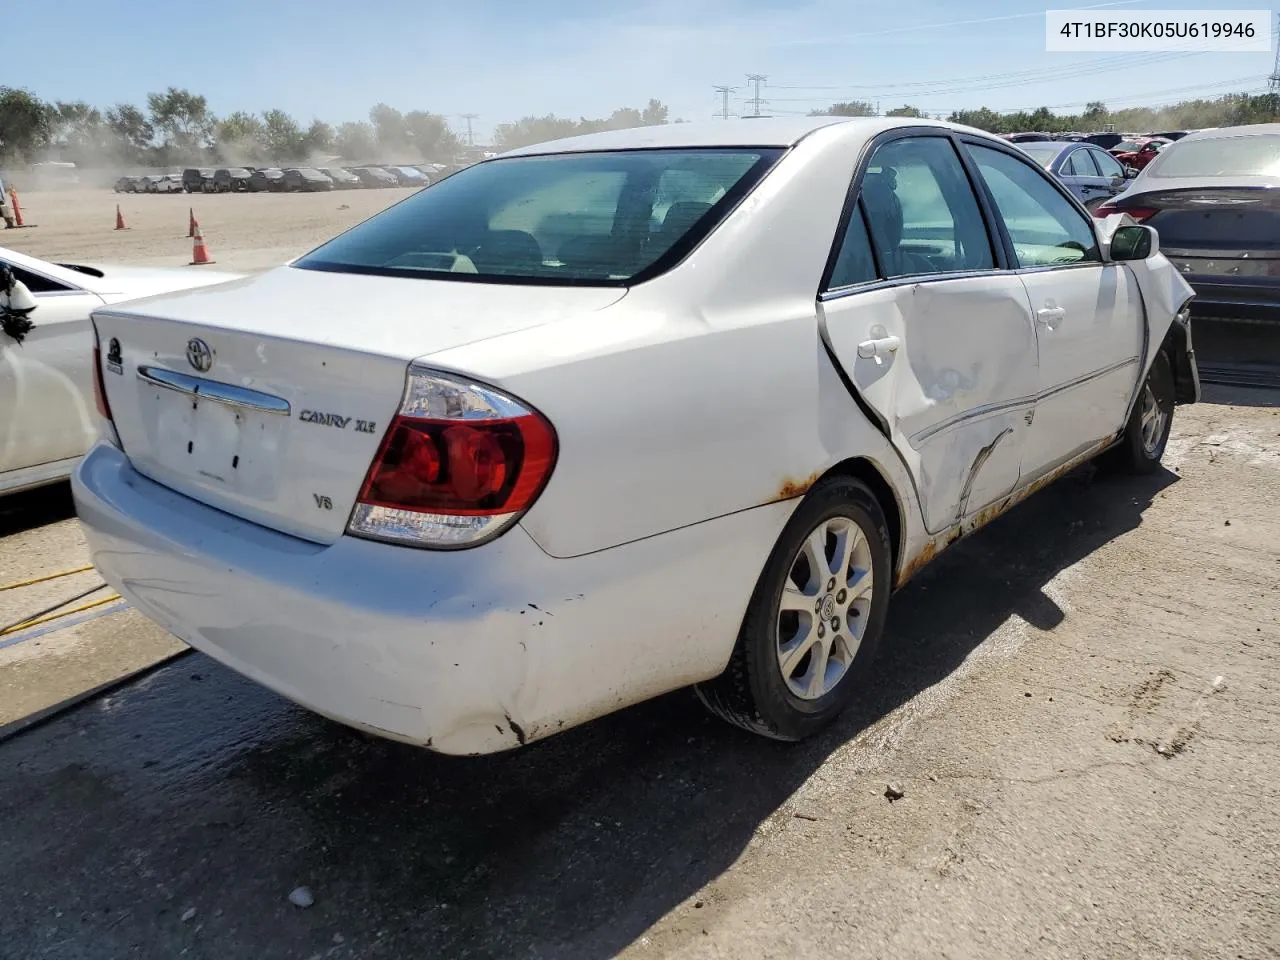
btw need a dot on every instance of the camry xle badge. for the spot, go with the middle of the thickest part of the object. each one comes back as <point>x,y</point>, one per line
<point>199,355</point>
<point>115,362</point>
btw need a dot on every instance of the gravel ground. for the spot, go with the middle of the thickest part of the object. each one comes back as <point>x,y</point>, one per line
<point>244,231</point>
<point>1080,706</point>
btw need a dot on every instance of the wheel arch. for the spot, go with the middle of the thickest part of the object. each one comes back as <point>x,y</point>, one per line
<point>871,474</point>
<point>1182,359</point>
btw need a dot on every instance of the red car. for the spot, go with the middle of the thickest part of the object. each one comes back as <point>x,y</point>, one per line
<point>1138,153</point>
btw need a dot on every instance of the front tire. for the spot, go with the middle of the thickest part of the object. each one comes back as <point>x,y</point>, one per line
<point>815,620</point>
<point>1147,433</point>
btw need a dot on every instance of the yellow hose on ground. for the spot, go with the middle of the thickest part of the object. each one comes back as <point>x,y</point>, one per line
<point>36,621</point>
<point>46,577</point>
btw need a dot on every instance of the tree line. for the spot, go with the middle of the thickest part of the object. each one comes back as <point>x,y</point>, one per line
<point>177,128</point>
<point>1230,110</point>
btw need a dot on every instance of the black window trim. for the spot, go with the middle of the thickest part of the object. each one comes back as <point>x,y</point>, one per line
<point>65,289</point>
<point>1001,253</point>
<point>1075,151</point>
<point>1011,257</point>
<point>721,210</point>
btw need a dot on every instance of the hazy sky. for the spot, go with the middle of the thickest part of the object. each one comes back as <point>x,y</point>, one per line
<point>503,60</point>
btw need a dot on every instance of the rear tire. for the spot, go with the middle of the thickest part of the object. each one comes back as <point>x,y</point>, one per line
<point>1147,433</point>
<point>814,622</point>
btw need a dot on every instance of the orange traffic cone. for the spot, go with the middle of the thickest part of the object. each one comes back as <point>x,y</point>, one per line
<point>120,219</point>
<point>199,250</point>
<point>192,226</point>
<point>17,208</point>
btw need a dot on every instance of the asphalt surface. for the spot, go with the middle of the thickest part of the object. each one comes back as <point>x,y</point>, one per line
<point>1075,783</point>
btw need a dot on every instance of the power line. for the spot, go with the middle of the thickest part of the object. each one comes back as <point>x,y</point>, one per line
<point>1234,82</point>
<point>724,92</point>
<point>471,142</point>
<point>757,79</point>
<point>1273,82</point>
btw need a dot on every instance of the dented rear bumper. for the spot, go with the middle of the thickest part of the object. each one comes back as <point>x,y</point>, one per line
<point>465,652</point>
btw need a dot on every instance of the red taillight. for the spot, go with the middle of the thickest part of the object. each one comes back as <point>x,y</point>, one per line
<point>484,468</point>
<point>1139,214</point>
<point>459,464</point>
<point>99,388</point>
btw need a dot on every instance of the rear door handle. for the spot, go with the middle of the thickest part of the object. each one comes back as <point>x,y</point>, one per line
<point>1048,315</point>
<point>878,349</point>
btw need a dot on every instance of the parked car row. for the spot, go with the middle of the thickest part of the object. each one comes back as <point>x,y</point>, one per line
<point>292,179</point>
<point>1107,141</point>
<point>154,183</point>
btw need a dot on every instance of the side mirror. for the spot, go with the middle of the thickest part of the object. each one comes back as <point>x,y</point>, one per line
<point>1131,172</point>
<point>1134,242</point>
<point>16,305</point>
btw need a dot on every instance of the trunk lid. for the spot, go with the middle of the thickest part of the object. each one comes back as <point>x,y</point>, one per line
<point>306,370</point>
<point>1228,221</point>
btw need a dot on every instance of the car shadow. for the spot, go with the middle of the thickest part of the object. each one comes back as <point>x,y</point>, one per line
<point>572,847</point>
<point>30,509</point>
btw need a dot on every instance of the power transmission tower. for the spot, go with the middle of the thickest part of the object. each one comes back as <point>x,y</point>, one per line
<point>1273,82</point>
<point>724,92</point>
<point>757,79</point>
<point>471,142</point>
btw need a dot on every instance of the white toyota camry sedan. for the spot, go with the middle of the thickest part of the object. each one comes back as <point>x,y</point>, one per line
<point>46,374</point>
<point>601,418</point>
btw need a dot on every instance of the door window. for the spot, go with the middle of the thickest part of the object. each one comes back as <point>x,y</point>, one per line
<point>1046,229</point>
<point>921,209</point>
<point>1079,165</point>
<point>1107,164</point>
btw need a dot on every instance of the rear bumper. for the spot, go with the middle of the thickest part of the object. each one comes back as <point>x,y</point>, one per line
<point>1253,301</point>
<point>465,652</point>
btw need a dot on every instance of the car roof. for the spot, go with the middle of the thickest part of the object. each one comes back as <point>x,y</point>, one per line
<point>746,132</point>
<point>1222,133</point>
<point>1057,146</point>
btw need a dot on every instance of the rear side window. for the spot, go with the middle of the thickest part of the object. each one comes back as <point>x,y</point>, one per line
<point>573,218</point>
<point>923,215</point>
<point>1045,227</point>
<point>854,262</point>
<point>34,281</point>
<point>1256,156</point>
<point>1079,164</point>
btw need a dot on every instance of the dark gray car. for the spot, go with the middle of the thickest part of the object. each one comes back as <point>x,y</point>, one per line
<point>1214,198</point>
<point>1088,171</point>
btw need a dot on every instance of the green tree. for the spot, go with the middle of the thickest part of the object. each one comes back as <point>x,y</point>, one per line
<point>430,135</point>
<point>849,108</point>
<point>240,138</point>
<point>388,127</point>
<point>24,124</point>
<point>904,111</point>
<point>183,119</point>
<point>354,142</point>
<point>508,136</point>
<point>282,136</point>
<point>131,131</point>
<point>654,114</point>
<point>319,138</point>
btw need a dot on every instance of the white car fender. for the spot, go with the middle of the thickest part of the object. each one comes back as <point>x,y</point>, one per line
<point>1164,292</point>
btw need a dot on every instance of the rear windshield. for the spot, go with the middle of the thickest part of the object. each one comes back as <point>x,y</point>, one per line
<point>576,218</point>
<point>1043,155</point>
<point>1256,156</point>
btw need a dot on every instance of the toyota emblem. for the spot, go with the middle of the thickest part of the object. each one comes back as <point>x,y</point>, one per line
<point>199,354</point>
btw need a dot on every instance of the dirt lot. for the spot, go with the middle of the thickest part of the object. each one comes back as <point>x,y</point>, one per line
<point>1080,704</point>
<point>244,231</point>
